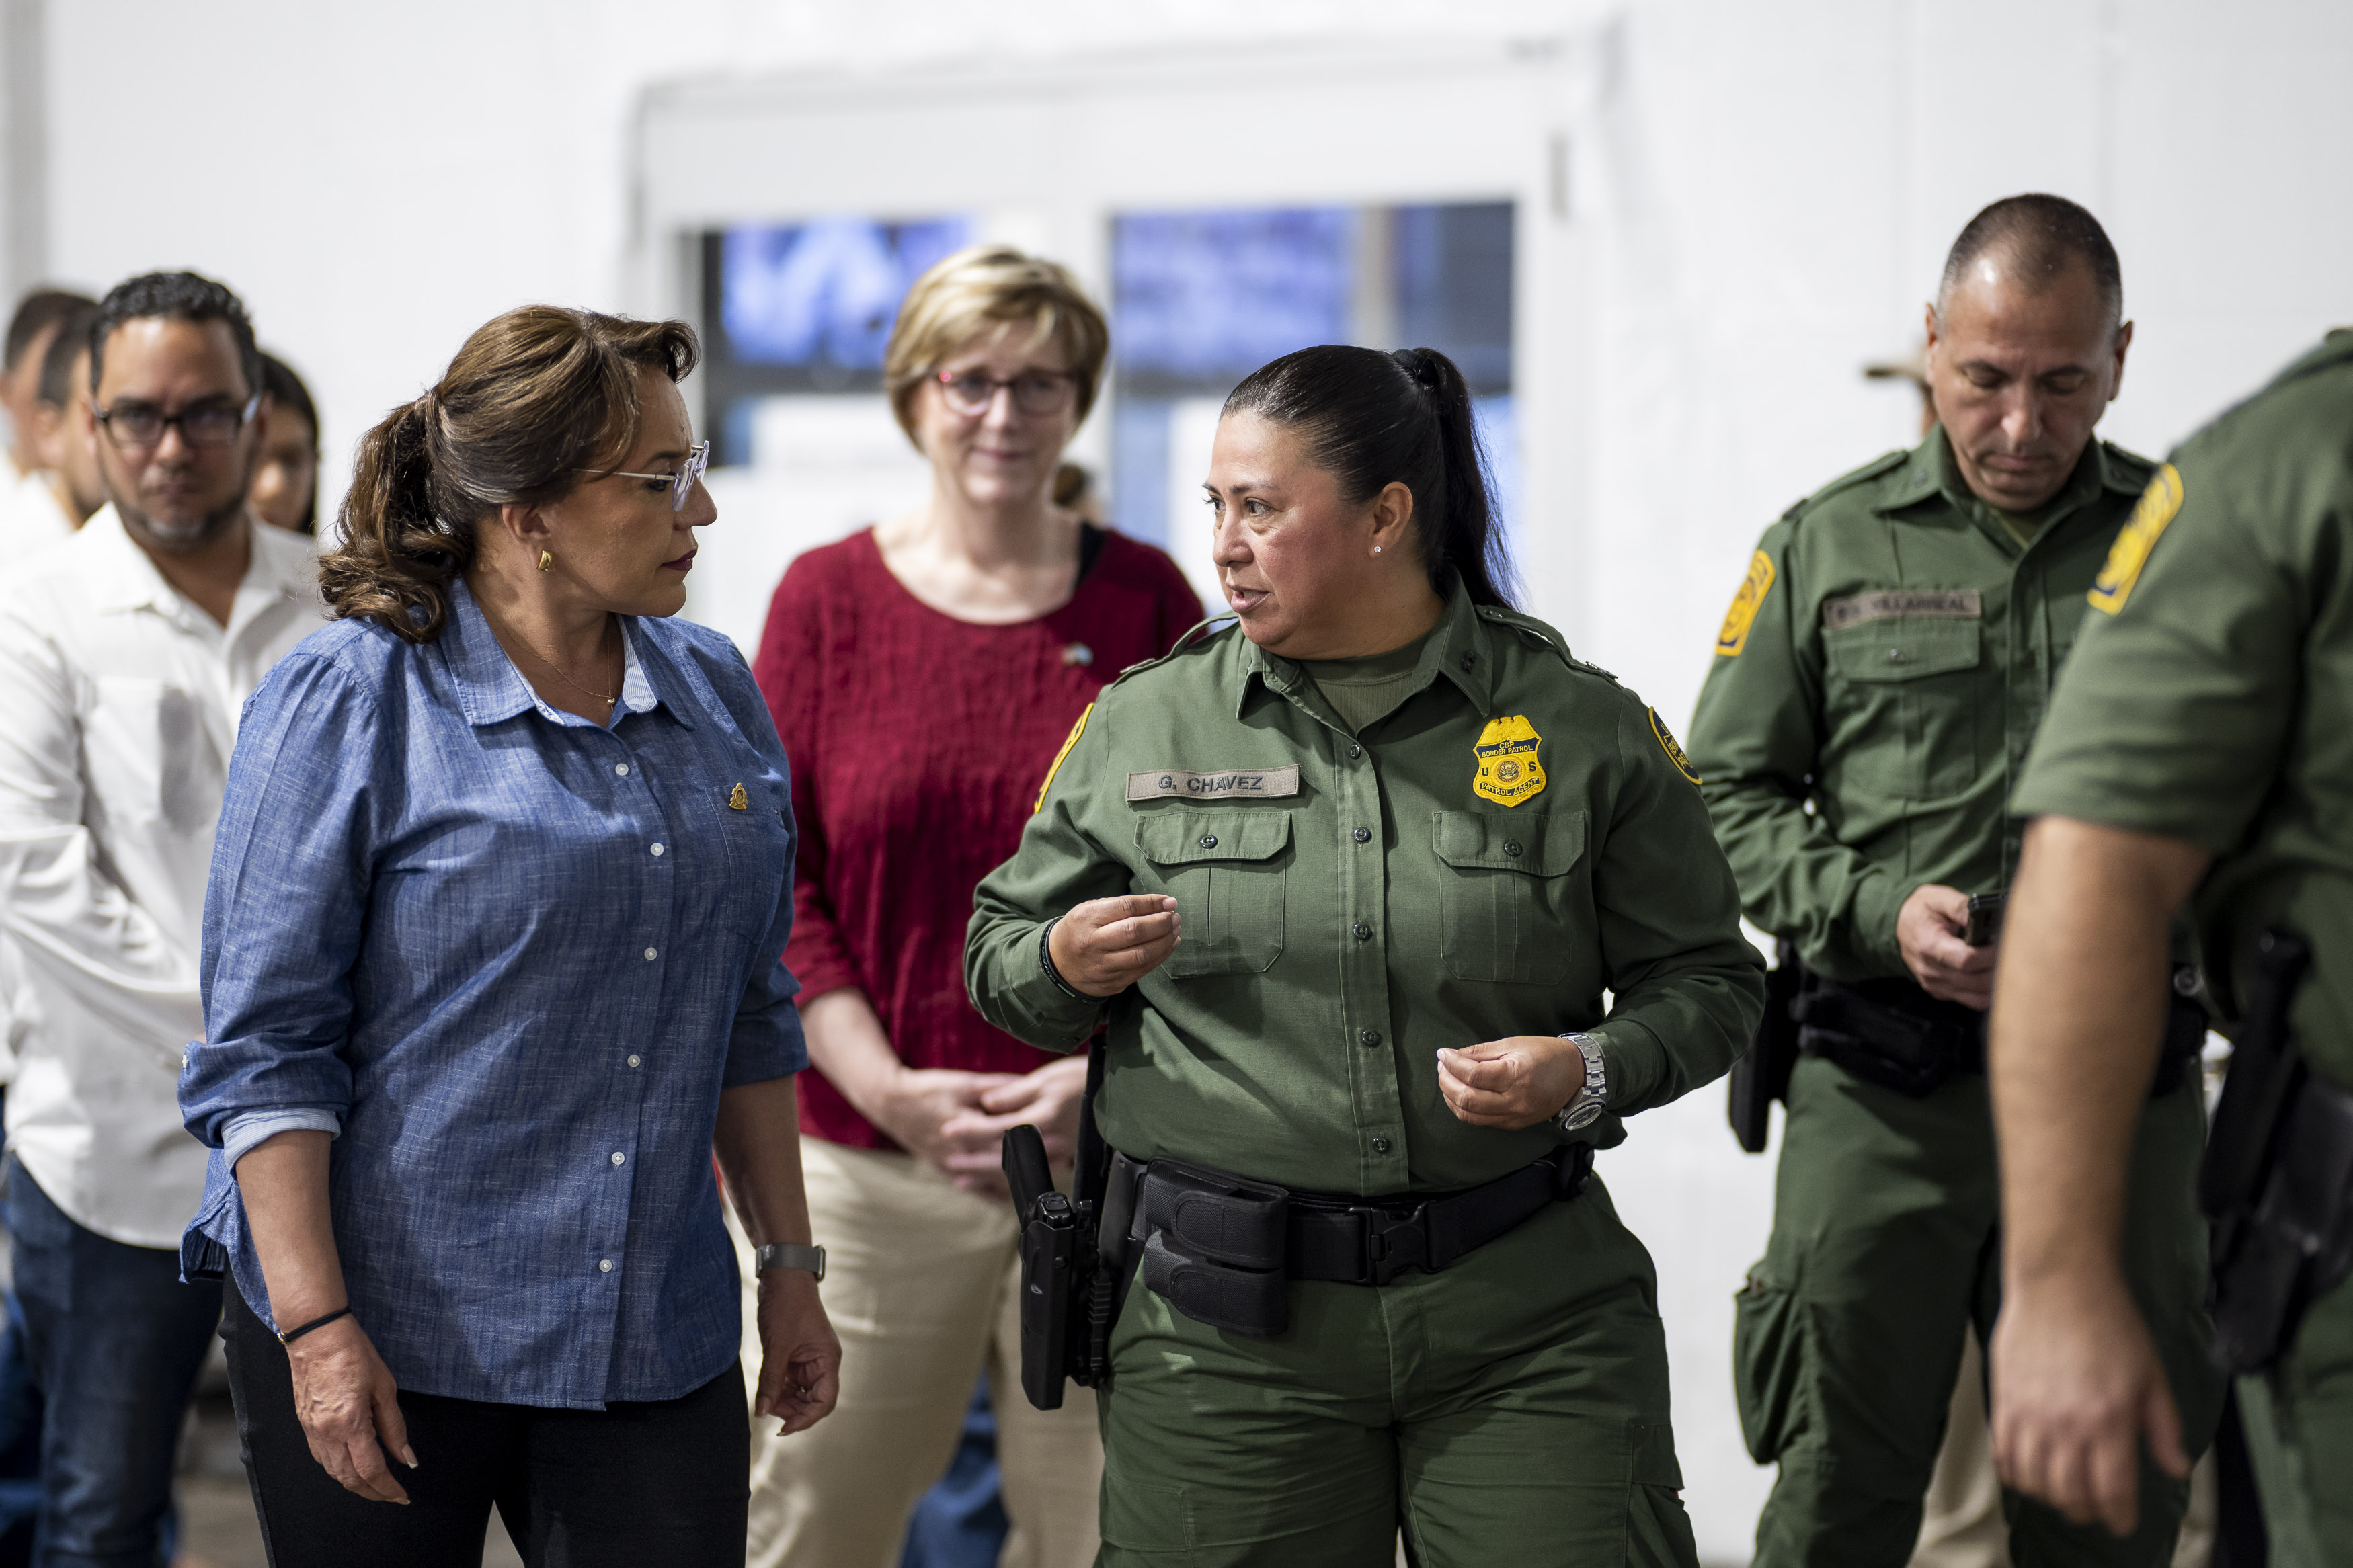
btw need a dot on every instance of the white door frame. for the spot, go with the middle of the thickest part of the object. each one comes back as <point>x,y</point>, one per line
<point>1044,153</point>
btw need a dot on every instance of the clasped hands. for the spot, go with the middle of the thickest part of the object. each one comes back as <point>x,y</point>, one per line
<point>1105,945</point>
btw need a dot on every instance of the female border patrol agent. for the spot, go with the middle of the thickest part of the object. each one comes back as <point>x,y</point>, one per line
<point>1346,885</point>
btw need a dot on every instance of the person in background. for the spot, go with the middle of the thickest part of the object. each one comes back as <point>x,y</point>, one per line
<point>492,976</point>
<point>64,440</point>
<point>30,515</point>
<point>1873,693</point>
<point>125,655</point>
<point>286,485</point>
<point>922,673</point>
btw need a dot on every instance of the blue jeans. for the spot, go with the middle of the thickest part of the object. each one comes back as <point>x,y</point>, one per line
<point>115,1341</point>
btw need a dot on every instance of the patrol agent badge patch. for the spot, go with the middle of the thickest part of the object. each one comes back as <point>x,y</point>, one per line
<point>1508,770</point>
<point>2138,536</point>
<point>1077,730</point>
<point>1667,744</point>
<point>1745,605</point>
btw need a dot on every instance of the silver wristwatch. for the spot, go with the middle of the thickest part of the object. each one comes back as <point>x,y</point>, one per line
<point>1584,1107</point>
<point>789,1254</point>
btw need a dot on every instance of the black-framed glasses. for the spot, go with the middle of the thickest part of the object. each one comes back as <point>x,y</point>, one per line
<point>1034,391</point>
<point>209,424</point>
<point>681,482</point>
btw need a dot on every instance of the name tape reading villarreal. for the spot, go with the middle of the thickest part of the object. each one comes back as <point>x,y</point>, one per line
<point>1903,604</point>
<point>1508,770</point>
<point>2138,536</point>
<point>1250,783</point>
<point>1745,605</point>
<point>1077,730</point>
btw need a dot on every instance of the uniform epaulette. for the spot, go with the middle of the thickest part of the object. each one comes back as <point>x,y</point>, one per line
<point>1538,631</point>
<point>1885,463</point>
<point>1197,635</point>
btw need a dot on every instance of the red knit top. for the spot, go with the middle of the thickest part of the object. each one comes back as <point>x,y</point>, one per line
<point>918,742</point>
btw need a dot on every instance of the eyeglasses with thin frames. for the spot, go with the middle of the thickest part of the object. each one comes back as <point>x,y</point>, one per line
<point>681,482</point>
<point>1034,391</point>
<point>140,425</point>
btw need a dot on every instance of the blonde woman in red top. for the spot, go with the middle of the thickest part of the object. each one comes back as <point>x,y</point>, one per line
<point>923,674</point>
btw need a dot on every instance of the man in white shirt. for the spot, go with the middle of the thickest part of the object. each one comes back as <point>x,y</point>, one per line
<point>125,656</point>
<point>30,517</point>
<point>62,435</point>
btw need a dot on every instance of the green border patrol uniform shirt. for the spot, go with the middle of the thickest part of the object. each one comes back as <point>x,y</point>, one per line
<point>1503,837</point>
<point>1351,905</point>
<point>1875,688</point>
<point>2212,700</point>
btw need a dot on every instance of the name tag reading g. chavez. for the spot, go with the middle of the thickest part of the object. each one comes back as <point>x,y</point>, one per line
<point>1232,784</point>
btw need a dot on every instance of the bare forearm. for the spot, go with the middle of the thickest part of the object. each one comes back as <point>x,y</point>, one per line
<point>283,1181</point>
<point>2078,1013</point>
<point>758,1144</point>
<point>847,1043</point>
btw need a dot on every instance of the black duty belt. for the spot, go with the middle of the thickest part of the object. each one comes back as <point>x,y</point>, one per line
<point>1893,1034</point>
<point>1220,1246</point>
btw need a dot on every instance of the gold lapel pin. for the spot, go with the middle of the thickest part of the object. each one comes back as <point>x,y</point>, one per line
<point>738,800</point>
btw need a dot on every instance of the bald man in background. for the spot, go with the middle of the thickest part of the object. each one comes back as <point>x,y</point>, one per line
<point>1873,692</point>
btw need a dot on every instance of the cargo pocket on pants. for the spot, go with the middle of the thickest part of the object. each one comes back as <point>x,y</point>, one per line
<point>1769,1364</point>
<point>1152,1523</point>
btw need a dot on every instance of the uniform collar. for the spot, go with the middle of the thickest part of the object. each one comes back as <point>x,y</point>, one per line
<point>1930,470</point>
<point>490,689</point>
<point>1457,649</point>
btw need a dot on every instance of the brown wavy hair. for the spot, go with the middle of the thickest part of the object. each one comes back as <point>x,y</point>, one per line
<point>534,398</point>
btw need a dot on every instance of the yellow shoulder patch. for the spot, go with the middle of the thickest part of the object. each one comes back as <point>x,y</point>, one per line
<point>1745,605</point>
<point>1077,730</point>
<point>1667,740</point>
<point>1508,771</point>
<point>2138,536</point>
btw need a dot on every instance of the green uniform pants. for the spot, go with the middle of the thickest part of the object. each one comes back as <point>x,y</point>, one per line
<point>2299,1420</point>
<point>1886,1249</point>
<point>1510,1410</point>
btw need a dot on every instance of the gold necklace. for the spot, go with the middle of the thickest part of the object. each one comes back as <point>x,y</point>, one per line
<point>560,674</point>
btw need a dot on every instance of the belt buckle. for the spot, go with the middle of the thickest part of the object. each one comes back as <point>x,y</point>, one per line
<point>1394,1242</point>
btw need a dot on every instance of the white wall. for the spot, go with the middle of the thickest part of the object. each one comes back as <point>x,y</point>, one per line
<point>1763,194</point>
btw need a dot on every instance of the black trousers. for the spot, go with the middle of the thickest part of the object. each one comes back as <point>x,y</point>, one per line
<point>663,1482</point>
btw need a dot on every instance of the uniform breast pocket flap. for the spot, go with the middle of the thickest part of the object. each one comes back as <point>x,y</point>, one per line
<point>1506,917</point>
<point>1225,870</point>
<point>1902,650</point>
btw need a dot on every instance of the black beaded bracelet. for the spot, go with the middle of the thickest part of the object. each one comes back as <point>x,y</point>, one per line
<point>1046,963</point>
<point>291,1335</point>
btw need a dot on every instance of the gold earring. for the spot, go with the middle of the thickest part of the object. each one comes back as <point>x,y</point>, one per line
<point>546,561</point>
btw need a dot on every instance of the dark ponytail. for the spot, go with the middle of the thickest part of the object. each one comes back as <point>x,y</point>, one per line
<point>1370,418</point>
<point>535,399</point>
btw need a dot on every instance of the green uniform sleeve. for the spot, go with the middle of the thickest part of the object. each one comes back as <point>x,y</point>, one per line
<point>1756,741</point>
<point>1059,864</point>
<point>1688,987</point>
<point>2173,711</point>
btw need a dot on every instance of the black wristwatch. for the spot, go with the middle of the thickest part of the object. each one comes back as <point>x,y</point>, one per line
<point>790,1254</point>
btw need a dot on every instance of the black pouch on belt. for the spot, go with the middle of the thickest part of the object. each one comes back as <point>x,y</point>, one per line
<point>1890,1033</point>
<point>1215,1247</point>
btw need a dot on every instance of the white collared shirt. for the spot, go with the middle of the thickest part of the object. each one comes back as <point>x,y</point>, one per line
<point>118,708</point>
<point>31,520</point>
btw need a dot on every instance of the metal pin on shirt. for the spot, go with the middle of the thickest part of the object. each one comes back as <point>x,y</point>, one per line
<point>738,800</point>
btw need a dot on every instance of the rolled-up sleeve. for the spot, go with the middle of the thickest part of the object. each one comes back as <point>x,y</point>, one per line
<point>280,938</point>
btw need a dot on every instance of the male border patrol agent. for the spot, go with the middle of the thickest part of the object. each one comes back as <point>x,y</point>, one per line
<point>1412,844</point>
<point>1875,690</point>
<point>2201,740</point>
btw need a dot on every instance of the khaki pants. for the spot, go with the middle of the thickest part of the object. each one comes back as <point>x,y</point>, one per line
<point>921,1284</point>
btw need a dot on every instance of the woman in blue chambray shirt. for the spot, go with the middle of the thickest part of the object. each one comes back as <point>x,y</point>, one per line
<point>491,972</point>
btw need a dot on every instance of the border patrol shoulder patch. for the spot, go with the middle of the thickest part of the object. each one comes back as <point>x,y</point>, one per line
<point>1077,730</point>
<point>2134,542</point>
<point>1745,605</point>
<point>1667,742</point>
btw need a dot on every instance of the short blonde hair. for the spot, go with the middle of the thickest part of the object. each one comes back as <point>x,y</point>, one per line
<point>980,286</point>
